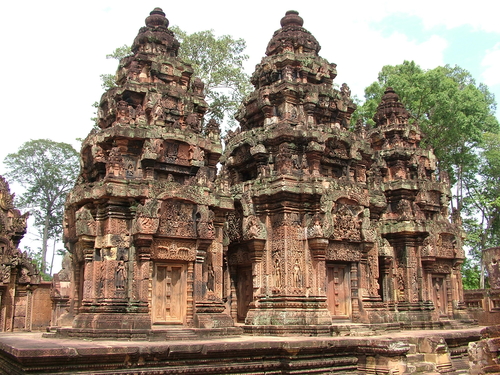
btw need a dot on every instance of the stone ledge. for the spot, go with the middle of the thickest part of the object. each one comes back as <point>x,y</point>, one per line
<point>29,353</point>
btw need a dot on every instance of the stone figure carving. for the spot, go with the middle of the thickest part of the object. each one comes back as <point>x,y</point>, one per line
<point>120,276</point>
<point>297,278</point>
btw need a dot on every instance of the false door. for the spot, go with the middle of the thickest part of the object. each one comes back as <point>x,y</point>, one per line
<point>169,293</point>
<point>339,290</point>
<point>244,291</point>
<point>439,294</point>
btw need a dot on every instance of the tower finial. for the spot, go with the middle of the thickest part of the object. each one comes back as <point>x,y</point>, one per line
<point>157,18</point>
<point>292,18</point>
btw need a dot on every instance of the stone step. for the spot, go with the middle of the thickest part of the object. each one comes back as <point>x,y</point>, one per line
<point>414,370</point>
<point>415,358</point>
<point>172,334</point>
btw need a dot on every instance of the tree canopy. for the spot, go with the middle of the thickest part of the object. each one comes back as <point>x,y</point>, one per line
<point>47,171</point>
<point>482,204</point>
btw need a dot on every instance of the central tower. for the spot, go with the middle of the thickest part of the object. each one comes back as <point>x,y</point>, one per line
<point>298,176</point>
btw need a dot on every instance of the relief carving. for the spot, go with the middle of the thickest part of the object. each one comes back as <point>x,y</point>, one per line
<point>146,219</point>
<point>173,250</point>
<point>176,219</point>
<point>85,222</point>
<point>204,223</point>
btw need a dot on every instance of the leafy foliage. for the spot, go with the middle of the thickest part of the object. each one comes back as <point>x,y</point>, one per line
<point>482,200</point>
<point>47,170</point>
<point>36,258</point>
<point>108,80</point>
<point>218,62</point>
<point>470,274</point>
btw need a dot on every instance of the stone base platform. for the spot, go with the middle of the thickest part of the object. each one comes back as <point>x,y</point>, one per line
<point>404,352</point>
<point>157,333</point>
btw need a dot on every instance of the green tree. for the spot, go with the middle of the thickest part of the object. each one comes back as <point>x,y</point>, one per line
<point>108,80</point>
<point>482,201</point>
<point>46,170</point>
<point>217,61</point>
<point>452,110</point>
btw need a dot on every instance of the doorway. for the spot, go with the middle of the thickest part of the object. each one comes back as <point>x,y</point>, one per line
<point>169,294</point>
<point>338,291</point>
<point>439,295</point>
<point>244,291</point>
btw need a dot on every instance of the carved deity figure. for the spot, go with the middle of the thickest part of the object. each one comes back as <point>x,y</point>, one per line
<point>115,162</point>
<point>345,91</point>
<point>277,273</point>
<point>123,112</point>
<point>120,275</point>
<point>211,277</point>
<point>297,275</point>
<point>198,86</point>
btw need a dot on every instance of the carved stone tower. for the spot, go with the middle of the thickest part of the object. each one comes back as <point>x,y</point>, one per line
<point>20,309</point>
<point>420,268</point>
<point>301,224</point>
<point>144,221</point>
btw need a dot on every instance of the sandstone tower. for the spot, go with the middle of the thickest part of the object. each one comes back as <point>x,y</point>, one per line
<point>144,222</point>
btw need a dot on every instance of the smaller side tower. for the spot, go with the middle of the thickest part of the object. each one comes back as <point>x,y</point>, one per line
<point>420,273</point>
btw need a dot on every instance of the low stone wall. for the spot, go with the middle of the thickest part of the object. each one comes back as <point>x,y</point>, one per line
<point>483,305</point>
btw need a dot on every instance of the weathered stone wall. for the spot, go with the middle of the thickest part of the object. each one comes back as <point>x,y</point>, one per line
<point>484,304</point>
<point>24,299</point>
<point>41,313</point>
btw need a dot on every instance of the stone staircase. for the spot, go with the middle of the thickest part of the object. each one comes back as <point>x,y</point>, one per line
<point>172,334</point>
<point>430,364</point>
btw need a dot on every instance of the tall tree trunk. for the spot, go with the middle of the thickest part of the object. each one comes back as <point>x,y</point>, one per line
<point>53,254</point>
<point>484,237</point>
<point>45,239</point>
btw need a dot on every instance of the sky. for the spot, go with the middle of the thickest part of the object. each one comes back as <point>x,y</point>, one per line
<point>54,51</point>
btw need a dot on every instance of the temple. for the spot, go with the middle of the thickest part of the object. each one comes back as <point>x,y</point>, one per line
<point>24,297</point>
<point>299,225</point>
<point>144,223</point>
<point>308,223</point>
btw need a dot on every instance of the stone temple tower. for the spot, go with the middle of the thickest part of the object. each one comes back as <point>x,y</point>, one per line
<point>298,176</point>
<point>422,253</point>
<point>144,221</point>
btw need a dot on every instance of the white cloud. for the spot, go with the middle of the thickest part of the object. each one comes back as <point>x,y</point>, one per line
<point>491,64</point>
<point>360,66</point>
<point>450,13</point>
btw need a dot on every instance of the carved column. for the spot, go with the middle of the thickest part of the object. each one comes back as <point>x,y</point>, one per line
<point>191,268</point>
<point>318,248</point>
<point>29,307</point>
<point>88,290</point>
<point>387,281</point>
<point>2,311</point>
<point>355,291</point>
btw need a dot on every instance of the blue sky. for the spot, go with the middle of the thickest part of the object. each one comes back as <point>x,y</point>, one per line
<point>53,51</point>
<point>466,46</point>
